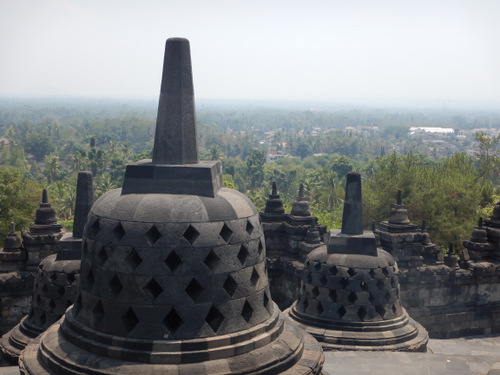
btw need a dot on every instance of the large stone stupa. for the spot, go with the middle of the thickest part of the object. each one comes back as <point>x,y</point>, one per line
<point>173,276</point>
<point>349,297</point>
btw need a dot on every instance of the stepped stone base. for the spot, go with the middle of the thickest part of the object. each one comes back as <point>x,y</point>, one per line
<point>278,346</point>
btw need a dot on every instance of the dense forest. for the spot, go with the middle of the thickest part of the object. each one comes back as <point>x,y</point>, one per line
<point>449,180</point>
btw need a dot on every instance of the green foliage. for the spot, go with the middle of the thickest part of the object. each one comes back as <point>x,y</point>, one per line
<point>448,196</point>
<point>255,168</point>
<point>19,197</point>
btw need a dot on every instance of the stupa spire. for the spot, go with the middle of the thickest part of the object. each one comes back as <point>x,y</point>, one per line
<point>175,137</point>
<point>352,218</point>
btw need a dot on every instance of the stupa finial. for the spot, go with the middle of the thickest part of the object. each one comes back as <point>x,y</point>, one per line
<point>352,219</point>
<point>175,136</point>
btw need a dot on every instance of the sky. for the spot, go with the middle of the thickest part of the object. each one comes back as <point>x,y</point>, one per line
<point>361,52</point>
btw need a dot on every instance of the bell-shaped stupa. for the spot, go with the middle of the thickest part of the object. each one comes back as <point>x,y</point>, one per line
<point>173,276</point>
<point>349,296</point>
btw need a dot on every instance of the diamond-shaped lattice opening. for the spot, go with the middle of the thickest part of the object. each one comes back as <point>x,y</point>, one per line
<point>261,247</point>
<point>194,290</point>
<point>266,301</point>
<point>98,311</point>
<point>333,270</point>
<point>133,259</point>
<point>90,279</point>
<point>372,273</point>
<point>341,311</point>
<point>393,282</point>
<point>45,289</point>
<point>52,305</point>
<point>362,312</point>
<point>351,272</point>
<point>394,309</point>
<point>78,305</point>
<point>230,285</point>
<point>380,310</point>
<point>102,255</point>
<point>153,289</point>
<point>85,248</point>
<point>173,261</point>
<point>53,277</point>
<point>153,235</point>
<point>242,254</point>
<point>385,270</point>
<point>60,291</point>
<point>352,297</point>
<point>211,260</point>
<point>371,298</point>
<point>323,280</point>
<point>226,233</point>
<point>247,311</point>
<point>68,303</point>
<point>191,234</point>
<point>172,321</point>
<point>255,277</point>
<point>309,277</point>
<point>115,285</point>
<point>249,227</point>
<point>319,308</point>
<point>43,318</point>
<point>364,286</point>
<point>71,277</point>
<point>333,295</point>
<point>95,227</point>
<point>38,300</point>
<point>317,266</point>
<point>305,304</point>
<point>380,284</point>
<point>388,297</point>
<point>118,232</point>
<point>129,319</point>
<point>214,318</point>
<point>314,292</point>
<point>344,282</point>
<point>307,263</point>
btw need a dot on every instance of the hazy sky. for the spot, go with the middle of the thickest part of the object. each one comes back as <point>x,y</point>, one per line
<point>382,52</point>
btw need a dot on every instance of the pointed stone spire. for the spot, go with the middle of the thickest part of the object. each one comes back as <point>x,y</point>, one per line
<point>175,167</point>
<point>301,205</point>
<point>399,213</point>
<point>45,214</point>
<point>175,137</point>
<point>352,219</point>
<point>12,240</point>
<point>84,201</point>
<point>352,239</point>
<point>274,205</point>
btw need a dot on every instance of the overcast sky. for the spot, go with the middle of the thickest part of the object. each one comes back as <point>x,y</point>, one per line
<point>381,52</point>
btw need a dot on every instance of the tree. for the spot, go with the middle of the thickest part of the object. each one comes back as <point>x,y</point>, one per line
<point>255,168</point>
<point>488,154</point>
<point>38,145</point>
<point>19,198</point>
<point>52,169</point>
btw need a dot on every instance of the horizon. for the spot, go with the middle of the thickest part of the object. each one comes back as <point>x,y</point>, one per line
<point>388,54</point>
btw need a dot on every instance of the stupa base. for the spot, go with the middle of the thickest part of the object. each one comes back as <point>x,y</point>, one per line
<point>399,334</point>
<point>286,349</point>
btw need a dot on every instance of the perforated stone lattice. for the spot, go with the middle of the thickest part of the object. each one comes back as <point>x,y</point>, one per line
<point>345,293</point>
<point>166,271</point>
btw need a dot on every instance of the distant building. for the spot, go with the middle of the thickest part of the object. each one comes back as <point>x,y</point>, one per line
<point>434,130</point>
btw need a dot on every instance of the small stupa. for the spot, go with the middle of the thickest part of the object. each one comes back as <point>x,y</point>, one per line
<point>349,297</point>
<point>173,276</point>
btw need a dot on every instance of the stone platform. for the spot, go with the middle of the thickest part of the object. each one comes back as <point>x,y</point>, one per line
<point>463,356</point>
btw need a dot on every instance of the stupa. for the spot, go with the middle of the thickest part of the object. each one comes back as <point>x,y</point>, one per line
<point>173,276</point>
<point>349,296</point>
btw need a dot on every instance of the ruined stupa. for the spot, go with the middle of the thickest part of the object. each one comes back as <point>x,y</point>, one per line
<point>173,276</point>
<point>409,245</point>
<point>56,280</point>
<point>349,296</point>
<point>43,235</point>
